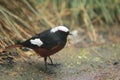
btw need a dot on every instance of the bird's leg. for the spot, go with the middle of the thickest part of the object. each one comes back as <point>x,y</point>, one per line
<point>45,59</point>
<point>50,60</point>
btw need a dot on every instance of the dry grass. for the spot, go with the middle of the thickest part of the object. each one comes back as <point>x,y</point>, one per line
<point>21,19</point>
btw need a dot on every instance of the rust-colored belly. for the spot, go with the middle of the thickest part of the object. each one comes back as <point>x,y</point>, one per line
<point>47,52</point>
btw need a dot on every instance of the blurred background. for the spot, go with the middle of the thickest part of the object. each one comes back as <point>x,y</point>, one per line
<point>95,25</point>
<point>92,22</point>
<point>21,19</point>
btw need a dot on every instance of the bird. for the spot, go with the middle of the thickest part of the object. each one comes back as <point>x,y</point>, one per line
<point>46,43</point>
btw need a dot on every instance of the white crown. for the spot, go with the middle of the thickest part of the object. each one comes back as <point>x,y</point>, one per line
<point>61,28</point>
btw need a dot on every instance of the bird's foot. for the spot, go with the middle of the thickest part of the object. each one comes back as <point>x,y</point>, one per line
<point>55,65</point>
<point>50,64</point>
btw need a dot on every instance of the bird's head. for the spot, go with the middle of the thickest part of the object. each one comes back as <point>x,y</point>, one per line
<point>63,30</point>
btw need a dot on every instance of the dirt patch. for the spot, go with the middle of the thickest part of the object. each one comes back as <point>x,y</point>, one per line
<point>94,63</point>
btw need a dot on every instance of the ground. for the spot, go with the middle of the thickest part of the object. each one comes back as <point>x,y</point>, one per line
<point>74,62</point>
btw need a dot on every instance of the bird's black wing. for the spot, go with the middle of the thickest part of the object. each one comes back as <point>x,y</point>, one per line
<point>49,40</point>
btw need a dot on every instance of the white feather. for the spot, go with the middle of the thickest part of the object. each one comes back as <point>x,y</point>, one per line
<point>36,41</point>
<point>61,28</point>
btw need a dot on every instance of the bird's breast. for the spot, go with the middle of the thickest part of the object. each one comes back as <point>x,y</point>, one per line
<point>47,52</point>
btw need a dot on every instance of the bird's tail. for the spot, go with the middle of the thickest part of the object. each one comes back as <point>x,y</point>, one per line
<point>11,46</point>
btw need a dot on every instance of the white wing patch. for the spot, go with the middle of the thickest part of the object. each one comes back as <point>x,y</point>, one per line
<point>61,28</point>
<point>36,41</point>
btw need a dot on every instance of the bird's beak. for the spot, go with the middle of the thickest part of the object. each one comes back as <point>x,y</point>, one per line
<point>70,33</point>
